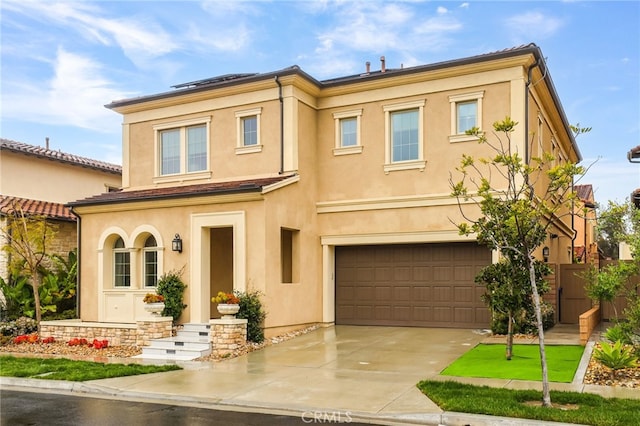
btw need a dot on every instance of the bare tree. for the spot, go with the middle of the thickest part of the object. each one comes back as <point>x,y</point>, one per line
<point>28,238</point>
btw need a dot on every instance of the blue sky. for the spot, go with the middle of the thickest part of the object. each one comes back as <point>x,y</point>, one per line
<point>61,62</point>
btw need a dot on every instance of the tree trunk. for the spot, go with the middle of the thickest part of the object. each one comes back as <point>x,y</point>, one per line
<point>546,396</point>
<point>509,353</point>
<point>36,299</point>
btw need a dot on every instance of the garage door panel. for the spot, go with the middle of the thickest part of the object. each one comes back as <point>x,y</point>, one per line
<point>415,285</point>
<point>464,294</point>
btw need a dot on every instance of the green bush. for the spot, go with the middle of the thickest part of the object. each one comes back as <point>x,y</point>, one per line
<point>618,333</point>
<point>57,290</point>
<point>526,324</point>
<point>251,310</point>
<point>616,356</point>
<point>171,287</point>
<point>22,325</point>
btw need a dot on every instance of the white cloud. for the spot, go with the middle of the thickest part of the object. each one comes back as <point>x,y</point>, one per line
<point>532,26</point>
<point>611,180</point>
<point>140,39</point>
<point>464,5</point>
<point>399,30</point>
<point>74,96</point>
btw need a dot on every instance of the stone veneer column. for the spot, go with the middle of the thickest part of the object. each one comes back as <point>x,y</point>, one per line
<point>227,335</point>
<point>152,328</point>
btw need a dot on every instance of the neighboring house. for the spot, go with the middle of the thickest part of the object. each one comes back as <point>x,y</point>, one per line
<point>40,181</point>
<point>585,246</point>
<point>634,157</point>
<point>330,197</point>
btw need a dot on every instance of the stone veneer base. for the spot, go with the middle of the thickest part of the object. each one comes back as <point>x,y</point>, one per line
<point>117,334</point>
<point>227,335</point>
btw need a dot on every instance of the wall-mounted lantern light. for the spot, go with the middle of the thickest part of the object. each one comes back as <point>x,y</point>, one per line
<point>176,244</point>
<point>545,253</point>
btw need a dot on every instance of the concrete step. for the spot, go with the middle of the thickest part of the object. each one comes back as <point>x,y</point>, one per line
<point>180,343</point>
<point>196,327</point>
<point>192,342</point>
<point>159,353</point>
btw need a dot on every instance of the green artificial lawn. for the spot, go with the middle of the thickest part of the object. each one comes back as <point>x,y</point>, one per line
<point>75,371</point>
<point>488,361</point>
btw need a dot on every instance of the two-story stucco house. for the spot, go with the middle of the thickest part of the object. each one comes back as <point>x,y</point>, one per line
<point>39,181</point>
<point>331,197</point>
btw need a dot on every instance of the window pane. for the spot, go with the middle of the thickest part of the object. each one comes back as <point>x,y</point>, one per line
<point>170,152</point>
<point>122,269</point>
<point>150,268</point>
<point>404,136</point>
<point>348,132</point>
<point>196,148</point>
<point>250,131</point>
<point>467,113</point>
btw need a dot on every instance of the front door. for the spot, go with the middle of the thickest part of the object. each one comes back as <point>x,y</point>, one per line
<point>221,278</point>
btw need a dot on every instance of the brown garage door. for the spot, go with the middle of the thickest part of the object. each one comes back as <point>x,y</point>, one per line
<point>423,285</point>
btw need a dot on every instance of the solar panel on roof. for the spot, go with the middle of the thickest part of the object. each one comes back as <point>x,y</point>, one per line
<point>218,79</point>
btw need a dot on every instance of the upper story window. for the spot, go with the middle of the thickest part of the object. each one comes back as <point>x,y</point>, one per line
<point>182,147</point>
<point>150,259</point>
<point>466,113</point>
<point>347,132</point>
<point>404,136</point>
<point>121,264</point>
<point>248,131</point>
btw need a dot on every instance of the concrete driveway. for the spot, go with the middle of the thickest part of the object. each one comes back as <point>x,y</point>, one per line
<point>341,371</point>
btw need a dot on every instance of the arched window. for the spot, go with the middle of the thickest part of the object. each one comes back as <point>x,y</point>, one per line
<point>121,264</point>
<point>150,256</point>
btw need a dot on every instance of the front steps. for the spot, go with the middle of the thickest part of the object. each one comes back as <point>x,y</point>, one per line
<point>192,342</point>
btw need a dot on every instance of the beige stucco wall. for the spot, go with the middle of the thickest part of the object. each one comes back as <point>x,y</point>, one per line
<point>45,180</point>
<point>337,199</point>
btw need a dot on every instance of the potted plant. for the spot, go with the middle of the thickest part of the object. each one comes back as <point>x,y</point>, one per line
<point>153,303</point>
<point>228,304</point>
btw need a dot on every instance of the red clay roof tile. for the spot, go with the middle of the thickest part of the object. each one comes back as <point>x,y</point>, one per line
<point>9,205</point>
<point>63,157</point>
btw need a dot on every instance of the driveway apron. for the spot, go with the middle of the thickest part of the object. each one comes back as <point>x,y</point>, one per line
<point>357,369</point>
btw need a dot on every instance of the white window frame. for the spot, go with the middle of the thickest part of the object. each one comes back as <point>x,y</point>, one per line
<point>145,250</point>
<point>241,148</point>
<point>182,127</point>
<point>338,117</point>
<point>420,163</point>
<point>126,251</point>
<point>454,100</point>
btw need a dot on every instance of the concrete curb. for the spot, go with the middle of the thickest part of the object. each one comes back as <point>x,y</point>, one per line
<point>441,419</point>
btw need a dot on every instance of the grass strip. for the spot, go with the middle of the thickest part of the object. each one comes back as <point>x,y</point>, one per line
<point>589,409</point>
<point>488,361</point>
<point>75,371</point>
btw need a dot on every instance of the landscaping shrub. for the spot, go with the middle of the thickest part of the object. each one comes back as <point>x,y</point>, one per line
<point>171,287</point>
<point>251,310</point>
<point>20,326</point>
<point>525,324</point>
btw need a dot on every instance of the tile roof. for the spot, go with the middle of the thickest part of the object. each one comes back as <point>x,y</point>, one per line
<point>218,188</point>
<point>584,192</point>
<point>9,205</point>
<point>63,157</point>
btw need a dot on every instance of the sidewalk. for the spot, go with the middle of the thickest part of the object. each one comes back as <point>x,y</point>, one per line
<point>368,372</point>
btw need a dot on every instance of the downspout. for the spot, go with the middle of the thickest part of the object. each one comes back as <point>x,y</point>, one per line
<point>79,241</point>
<point>281,125</point>
<point>526,112</point>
